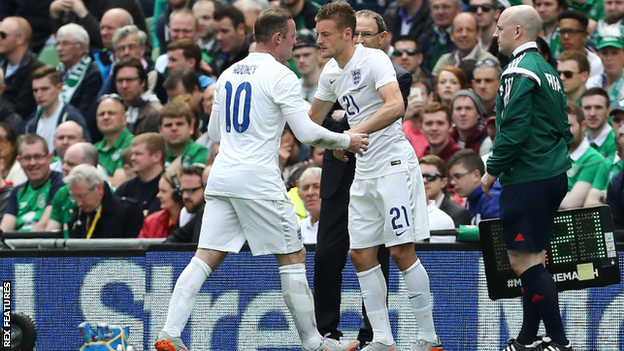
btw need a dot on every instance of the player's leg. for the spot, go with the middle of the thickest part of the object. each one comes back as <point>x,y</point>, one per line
<point>219,217</point>
<point>402,192</point>
<point>366,227</point>
<point>271,227</point>
<point>524,213</point>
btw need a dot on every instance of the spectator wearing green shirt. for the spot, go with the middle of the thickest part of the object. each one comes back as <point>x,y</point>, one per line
<point>585,160</point>
<point>63,204</point>
<point>595,104</point>
<point>549,11</point>
<point>111,122</point>
<point>29,201</point>
<point>176,126</point>
<point>608,168</point>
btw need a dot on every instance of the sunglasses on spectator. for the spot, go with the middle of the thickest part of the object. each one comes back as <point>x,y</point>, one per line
<point>3,35</point>
<point>487,63</point>
<point>567,74</point>
<point>563,32</point>
<point>409,52</point>
<point>484,8</point>
<point>110,96</point>
<point>431,177</point>
<point>617,119</point>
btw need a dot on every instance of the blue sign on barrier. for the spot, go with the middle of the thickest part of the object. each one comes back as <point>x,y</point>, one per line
<point>241,308</point>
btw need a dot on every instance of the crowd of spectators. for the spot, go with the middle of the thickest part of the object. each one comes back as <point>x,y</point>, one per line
<point>104,105</point>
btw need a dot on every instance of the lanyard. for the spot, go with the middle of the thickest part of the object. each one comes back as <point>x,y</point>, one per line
<point>95,220</point>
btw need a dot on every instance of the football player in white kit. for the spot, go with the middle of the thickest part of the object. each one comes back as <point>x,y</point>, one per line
<point>388,204</point>
<point>245,196</point>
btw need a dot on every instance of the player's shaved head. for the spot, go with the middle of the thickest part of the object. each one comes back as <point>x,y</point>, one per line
<point>526,17</point>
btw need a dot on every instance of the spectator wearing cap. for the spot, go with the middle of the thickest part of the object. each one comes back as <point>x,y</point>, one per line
<point>573,69</point>
<point>610,166</point>
<point>307,58</point>
<point>465,33</point>
<point>485,82</point>
<point>611,51</point>
<point>585,160</point>
<point>470,131</point>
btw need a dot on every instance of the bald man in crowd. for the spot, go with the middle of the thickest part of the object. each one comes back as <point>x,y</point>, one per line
<point>18,64</point>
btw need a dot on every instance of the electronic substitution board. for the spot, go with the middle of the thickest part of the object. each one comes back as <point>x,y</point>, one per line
<point>582,253</point>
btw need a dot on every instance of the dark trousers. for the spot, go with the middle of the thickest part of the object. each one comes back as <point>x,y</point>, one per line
<point>332,247</point>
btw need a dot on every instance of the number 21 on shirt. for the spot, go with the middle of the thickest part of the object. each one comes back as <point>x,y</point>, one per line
<point>352,108</point>
<point>234,118</point>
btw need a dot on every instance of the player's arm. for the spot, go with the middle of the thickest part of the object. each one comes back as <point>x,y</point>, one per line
<point>319,110</point>
<point>515,126</point>
<point>392,109</point>
<point>311,133</point>
<point>576,196</point>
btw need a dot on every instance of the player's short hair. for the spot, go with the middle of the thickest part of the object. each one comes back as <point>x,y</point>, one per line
<point>186,75</point>
<point>419,78</point>
<point>176,108</point>
<point>576,110</point>
<point>46,71</point>
<point>469,159</point>
<point>30,139</point>
<point>154,143</point>
<point>576,15</point>
<point>84,172</point>
<point>189,48</point>
<point>340,12</point>
<point>231,12</point>
<point>577,56</point>
<point>379,19</point>
<point>596,91</point>
<point>436,107</point>
<point>269,22</point>
<point>132,62</point>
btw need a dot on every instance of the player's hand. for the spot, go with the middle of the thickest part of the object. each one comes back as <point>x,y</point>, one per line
<point>338,115</point>
<point>340,154</point>
<point>359,142</point>
<point>487,182</point>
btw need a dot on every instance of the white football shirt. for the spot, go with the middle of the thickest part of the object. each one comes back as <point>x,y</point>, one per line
<point>355,87</point>
<point>253,100</point>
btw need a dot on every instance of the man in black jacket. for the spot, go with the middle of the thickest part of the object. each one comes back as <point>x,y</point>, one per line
<point>192,190</point>
<point>18,64</point>
<point>100,213</point>
<point>333,237</point>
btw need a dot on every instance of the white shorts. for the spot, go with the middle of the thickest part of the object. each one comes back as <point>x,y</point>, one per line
<point>268,226</point>
<point>390,210</point>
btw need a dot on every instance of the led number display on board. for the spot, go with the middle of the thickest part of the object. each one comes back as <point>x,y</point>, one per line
<point>582,253</point>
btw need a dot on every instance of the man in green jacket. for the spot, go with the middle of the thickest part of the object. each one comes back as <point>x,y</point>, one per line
<point>530,156</point>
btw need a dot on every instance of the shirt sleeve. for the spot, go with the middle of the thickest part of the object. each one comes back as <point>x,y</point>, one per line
<point>12,204</point>
<point>514,127</point>
<point>55,184</point>
<point>57,208</point>
<point>323,89</point>
<point>382,70</point>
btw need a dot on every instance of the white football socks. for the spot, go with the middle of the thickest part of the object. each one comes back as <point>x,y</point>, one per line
<point>374,292</point>
<point>418,290</point>
<point>184,296</point>
<point>298,299</point>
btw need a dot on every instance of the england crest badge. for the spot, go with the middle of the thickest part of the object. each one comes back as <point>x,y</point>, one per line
<point>357,76</point>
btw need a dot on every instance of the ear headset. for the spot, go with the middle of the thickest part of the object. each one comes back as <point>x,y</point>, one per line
<point>177,194</point>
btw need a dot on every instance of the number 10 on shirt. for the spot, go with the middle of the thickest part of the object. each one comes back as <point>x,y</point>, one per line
<point>234,119</point>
